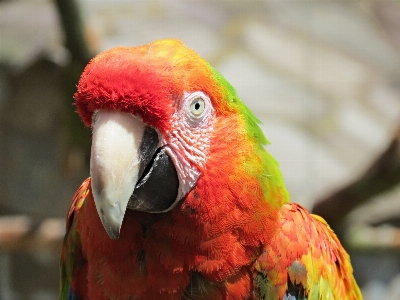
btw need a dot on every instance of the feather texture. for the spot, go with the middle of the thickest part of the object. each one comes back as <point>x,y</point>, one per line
<point>304,260</point>
<point>233,236</point>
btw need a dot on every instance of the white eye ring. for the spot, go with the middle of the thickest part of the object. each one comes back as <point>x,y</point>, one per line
<point>197,106</point>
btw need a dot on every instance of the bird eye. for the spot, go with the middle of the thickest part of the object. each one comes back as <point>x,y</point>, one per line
<point>197,106</point>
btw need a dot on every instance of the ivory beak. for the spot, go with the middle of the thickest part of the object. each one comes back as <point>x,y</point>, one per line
<point>114,165</point>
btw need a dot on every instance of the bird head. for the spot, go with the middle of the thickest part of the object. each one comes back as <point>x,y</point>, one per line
<point>153,110</point>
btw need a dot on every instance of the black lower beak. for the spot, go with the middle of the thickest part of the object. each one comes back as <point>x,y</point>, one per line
<point>157,188</point>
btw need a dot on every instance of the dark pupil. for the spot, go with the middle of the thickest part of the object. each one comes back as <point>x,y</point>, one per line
<point>197,106</point>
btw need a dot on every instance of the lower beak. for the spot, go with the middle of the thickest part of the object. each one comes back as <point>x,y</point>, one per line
<point>114,165</point>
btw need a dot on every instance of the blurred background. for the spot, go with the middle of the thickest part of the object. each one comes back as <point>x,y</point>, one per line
<point>322,76</point>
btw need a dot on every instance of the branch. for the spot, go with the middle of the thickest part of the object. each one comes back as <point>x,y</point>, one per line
<point>369,238</point>
<point>74,29</point>
<point>20,233</point>
<point>80,45</point>
<point>382,175</point>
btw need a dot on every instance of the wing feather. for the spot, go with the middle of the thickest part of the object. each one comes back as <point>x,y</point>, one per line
<point>304,260</point>
<point>72,263</point>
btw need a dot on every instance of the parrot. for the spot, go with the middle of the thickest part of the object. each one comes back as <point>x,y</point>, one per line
<point>183,200</point>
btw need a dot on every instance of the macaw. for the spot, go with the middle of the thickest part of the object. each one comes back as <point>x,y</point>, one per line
<point>183,200</point>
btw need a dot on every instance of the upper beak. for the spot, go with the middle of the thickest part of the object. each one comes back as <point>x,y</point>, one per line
<point>114,165</point>
<point>129,169</point>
